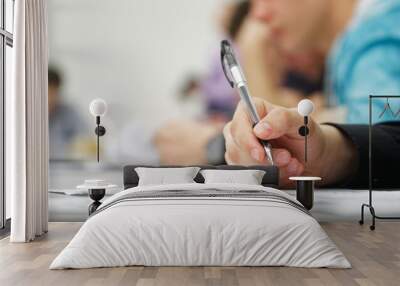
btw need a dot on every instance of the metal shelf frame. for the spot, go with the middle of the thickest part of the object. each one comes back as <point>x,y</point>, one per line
<point>369,205</point>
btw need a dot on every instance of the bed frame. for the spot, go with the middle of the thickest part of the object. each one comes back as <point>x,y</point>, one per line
<point>270,179</point>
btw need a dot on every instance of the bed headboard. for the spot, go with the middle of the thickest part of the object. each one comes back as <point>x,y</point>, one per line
<point>270,179</point>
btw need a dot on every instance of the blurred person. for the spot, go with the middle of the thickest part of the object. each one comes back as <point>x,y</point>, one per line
<point>65,123</point>
<point>198,139</point>
<point>296,81</point>
<point>281,77</point>
<point>189,142</point>
<point>358,40</point>
<point>192,141</point>
<point>220,98</point>
<point>180,141</point>
<point>191,104</point>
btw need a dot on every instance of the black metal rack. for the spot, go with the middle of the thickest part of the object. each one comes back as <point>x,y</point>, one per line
<point>370,183</point>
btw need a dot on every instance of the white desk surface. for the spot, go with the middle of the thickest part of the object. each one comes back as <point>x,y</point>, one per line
<point>329,204</point>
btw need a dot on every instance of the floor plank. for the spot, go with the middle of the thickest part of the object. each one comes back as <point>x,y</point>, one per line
<point>375,257</point>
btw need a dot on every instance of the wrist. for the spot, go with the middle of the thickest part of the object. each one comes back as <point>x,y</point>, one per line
<point>340,159</point>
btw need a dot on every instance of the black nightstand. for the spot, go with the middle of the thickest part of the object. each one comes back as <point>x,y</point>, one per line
<point>97,190</point>
<point>96,195</point>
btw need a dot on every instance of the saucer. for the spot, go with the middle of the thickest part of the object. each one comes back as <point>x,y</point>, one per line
<point>94,184</point>
<point>305,178</point>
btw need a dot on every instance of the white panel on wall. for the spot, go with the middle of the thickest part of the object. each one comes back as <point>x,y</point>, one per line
<point>9,70</point>
<point>133,53</point>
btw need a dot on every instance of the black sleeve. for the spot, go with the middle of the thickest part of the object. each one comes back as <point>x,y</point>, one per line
<point>385,154</point>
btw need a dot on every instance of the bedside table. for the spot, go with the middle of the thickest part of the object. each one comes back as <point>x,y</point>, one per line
<point>97,190</point>
<point>96,195</point>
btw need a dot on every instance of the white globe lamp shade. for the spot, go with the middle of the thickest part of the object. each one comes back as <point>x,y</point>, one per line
<point>305,107</point>
<point>98,107</point>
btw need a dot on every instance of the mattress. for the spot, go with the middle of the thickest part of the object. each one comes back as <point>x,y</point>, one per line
<point>201,225</point>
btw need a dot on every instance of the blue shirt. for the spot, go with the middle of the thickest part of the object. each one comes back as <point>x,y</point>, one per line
<point>365,61</point>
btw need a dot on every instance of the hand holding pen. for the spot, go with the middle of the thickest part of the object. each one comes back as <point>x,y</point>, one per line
<point>234,74</point>
<point>331,155</point>
<point>278,125</point>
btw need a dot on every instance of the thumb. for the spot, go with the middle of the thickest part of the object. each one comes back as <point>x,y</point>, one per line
<point>278,122</point>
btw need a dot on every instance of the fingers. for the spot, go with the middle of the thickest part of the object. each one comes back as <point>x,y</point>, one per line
<point>293,168</point>
<point>242,140</point>
<point>236,154</point>
<point>288,165</point>
<point>241,129</point>
<point>281,157</point>
<point>263,107</point>
<point>279,122</point>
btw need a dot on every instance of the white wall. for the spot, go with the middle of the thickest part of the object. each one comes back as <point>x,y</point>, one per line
<point>133,53</point>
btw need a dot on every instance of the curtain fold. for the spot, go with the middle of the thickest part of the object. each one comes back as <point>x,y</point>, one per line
<point>27,123</point>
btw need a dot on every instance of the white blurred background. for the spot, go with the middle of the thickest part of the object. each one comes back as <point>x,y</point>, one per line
<point>133,53</point>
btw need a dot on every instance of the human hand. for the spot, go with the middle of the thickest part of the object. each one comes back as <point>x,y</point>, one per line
<point>256,47</point>
<point>330,155</point>
<point>184,142</point>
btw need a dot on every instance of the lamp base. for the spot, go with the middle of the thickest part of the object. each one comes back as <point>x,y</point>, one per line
<point>305,190</point>
<point>96,195</point>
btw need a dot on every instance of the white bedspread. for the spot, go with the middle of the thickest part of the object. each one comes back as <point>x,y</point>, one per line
<point>227,231</point>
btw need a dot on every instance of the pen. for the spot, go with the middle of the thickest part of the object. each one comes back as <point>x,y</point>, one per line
<point>234,75</point>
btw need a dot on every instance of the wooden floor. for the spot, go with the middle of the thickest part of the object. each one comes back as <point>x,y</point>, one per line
<point>375,257</point>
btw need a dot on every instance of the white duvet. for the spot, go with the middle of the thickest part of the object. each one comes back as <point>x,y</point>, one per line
<point>200,231</point>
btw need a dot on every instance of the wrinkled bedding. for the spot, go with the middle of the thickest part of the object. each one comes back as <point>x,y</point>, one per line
<point>201,224</point>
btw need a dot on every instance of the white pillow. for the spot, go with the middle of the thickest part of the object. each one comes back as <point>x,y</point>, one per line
<point>162,176</point>
<point>248,177</point>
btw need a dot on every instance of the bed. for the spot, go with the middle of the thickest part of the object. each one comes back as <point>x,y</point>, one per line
<point>201,224</point>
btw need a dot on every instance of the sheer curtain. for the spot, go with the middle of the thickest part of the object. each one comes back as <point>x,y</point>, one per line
<point>27,123</point>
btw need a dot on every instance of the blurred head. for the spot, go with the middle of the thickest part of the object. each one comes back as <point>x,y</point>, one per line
<point>295,25</point>
<point>55,82</point>
<point>231,16</point>
<point>238,16</point>
<point>189,87</point>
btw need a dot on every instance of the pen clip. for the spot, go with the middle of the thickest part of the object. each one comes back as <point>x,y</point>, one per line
<point>225,51</point>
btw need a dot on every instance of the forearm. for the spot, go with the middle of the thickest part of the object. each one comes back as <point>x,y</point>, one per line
<point>331,114</point>
<point>259,78</point>
<point>263,71</point>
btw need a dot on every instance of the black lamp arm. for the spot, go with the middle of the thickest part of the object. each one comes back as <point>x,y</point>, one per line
<point>99,131</point>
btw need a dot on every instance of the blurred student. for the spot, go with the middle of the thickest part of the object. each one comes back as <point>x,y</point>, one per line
<point>191,103</point>
<point>198,139</point>
<point>296,77</point>
<point>220,98</point>
<point>284,78</point>
<point>65,123</point>
<point>358,40</point>
<point>176,142</point>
